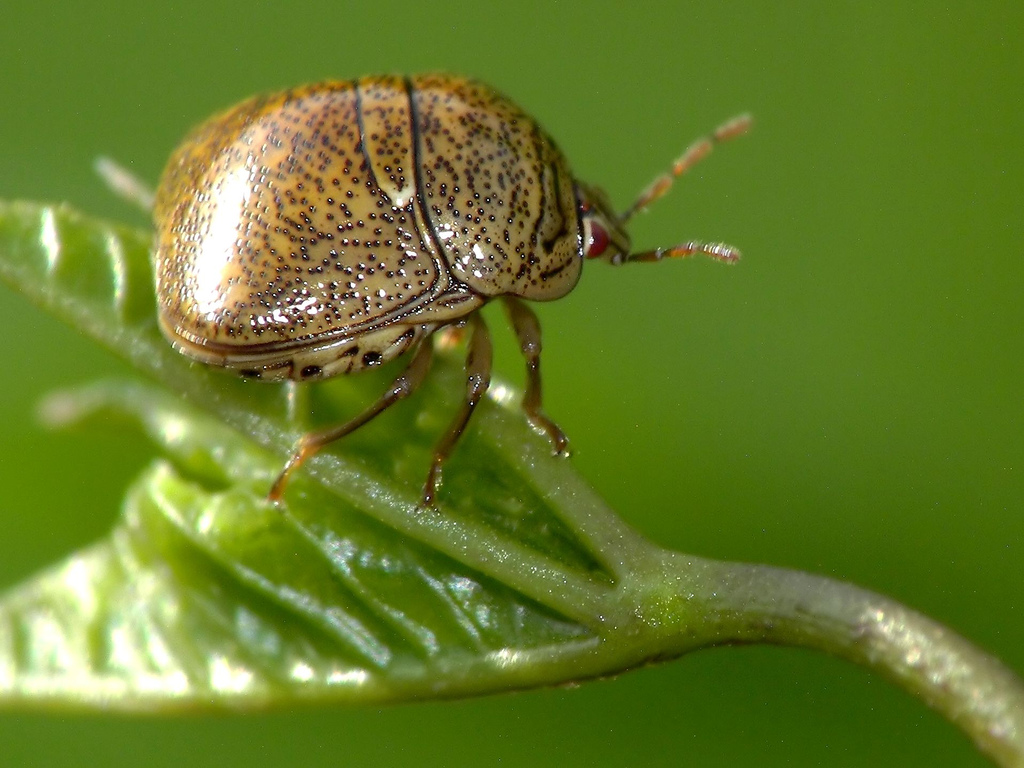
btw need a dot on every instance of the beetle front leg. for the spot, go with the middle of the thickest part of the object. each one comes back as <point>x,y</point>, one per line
<point>527,329</point>
<point>407,383</point>
<point>478,378</point>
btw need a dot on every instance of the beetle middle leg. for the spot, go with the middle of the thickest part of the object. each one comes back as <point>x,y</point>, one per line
<point>407,383</point>
<point>527,329</point>
<point>478,378</point>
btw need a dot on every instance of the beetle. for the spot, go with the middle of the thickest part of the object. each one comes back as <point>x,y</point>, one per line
<point>333,227</point>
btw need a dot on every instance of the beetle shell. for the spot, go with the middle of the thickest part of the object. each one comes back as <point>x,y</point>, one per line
<point>327,229</point>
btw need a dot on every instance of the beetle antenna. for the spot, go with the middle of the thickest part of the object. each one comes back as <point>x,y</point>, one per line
<point>717,251</point>
<point>696,152</point>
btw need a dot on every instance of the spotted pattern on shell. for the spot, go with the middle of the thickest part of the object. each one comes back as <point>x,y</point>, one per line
<point>328,228</point>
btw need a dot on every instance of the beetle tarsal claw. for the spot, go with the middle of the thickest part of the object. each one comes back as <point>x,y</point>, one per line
<point>274,496</point>
<point>544,426</point>
<point>430,488</point>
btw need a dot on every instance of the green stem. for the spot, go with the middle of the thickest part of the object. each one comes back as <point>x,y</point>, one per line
<point>740,603</point>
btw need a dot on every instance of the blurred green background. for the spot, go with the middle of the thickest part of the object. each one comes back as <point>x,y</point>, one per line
<point>848,400</point>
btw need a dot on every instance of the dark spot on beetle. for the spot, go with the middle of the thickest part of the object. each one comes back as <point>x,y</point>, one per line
<point>311,370</point>
<point>249,373</point>
<point>371,358</point>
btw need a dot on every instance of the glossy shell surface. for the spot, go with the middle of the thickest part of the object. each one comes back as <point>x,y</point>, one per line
<point>328,228</point>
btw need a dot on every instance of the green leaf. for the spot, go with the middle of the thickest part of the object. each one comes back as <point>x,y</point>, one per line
<point>205,596</point>
<point>353,590</point>
<point>209,595</point>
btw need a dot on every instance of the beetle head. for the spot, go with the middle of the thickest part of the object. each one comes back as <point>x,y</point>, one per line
<point>604,232</point>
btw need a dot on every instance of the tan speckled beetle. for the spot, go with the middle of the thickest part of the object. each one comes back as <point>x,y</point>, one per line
<point>331,228</point>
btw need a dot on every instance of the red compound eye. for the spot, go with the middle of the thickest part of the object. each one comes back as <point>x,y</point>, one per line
<point>598,241</point>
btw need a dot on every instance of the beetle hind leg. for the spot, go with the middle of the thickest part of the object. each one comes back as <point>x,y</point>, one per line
<point>527,329</point>
<point>478,379</point>
<point>407,383</point>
